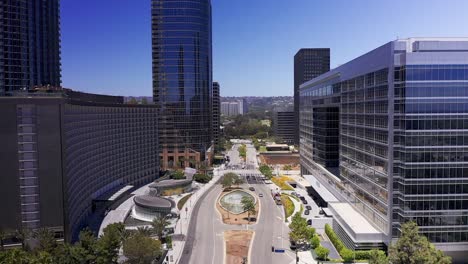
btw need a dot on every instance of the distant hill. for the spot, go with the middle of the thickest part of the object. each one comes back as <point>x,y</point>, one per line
<point>263,104</point>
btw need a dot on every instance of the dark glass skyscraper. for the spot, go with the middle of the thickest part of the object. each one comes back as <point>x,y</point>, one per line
<point>30,44</point>
<point>308,64</point>
<point>182,79</point>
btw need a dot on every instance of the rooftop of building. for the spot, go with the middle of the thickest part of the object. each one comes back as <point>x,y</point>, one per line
<point>380,58</point>
<point>326,195</point>
<point>149,201</point>
<point>352,218</point>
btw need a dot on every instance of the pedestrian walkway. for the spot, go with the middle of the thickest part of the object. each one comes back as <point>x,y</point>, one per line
<point>305,257</point>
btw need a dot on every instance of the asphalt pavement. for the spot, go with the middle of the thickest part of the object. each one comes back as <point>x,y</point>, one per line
<point>205,243</point>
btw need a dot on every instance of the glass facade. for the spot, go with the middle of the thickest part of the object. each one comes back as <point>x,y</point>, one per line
<point>431,154</point>
<point>182,76</point>
<point>30,44</point>
<point>402,128</point>
<point>106,148</point>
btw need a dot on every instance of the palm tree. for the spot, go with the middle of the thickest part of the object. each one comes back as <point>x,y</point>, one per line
<point>23,234</point>
<point>45,239</point>
<point>159,224</point>
<point>144,231</point>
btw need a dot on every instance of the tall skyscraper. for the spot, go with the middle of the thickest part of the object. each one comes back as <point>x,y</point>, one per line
<point>308,64</point>
<point>30,46</point>
<point>182,79</point>
<point>400,113</point>
<point>216,112</point>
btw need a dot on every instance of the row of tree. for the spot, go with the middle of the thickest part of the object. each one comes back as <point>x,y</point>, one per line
<point>138,246</point>
<point>230,179</point>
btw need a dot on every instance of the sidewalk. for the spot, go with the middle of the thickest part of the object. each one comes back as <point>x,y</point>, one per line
<point>185,216</point>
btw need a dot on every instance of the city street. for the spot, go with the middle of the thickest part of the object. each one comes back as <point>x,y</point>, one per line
<point>205,240</point>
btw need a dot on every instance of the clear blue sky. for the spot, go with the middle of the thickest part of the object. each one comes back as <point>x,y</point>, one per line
<point>106,44</point>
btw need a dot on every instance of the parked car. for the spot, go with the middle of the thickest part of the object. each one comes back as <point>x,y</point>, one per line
<point>260,195</point>
<point>294,193</point>
<point>305,201</point>
<point>308,207</point>
<point>306,212</point>
<point>309,222</point>
<point>252,189</point>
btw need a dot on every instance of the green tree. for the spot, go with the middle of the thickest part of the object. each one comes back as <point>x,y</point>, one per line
<point>228,180</point>
<point>249,206</point>
<point>315,241</point>
<point>266,171</point>
<point>108,245</point>
<point>322,252</point>
<point>45,239</point>
<point>300,232</point>
<point>144,101</point>
<point>377,257</point>
<point>238,180</point>
<point>140,249</point>
<point>132,101</point>
<point>412,247</point>
<point>159,224</point>
<point>201,178</point>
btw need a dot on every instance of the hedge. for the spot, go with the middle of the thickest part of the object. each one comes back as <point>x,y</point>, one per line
<point>342,249</point>
<point>336,241</point>
<point>322,252</point>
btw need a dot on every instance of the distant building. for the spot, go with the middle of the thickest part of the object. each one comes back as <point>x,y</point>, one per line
<point>216,112</point>
<point>395,121</point>
<point>284,126</point>
<point>182,79</point>
<point>63,151</point>
<point>308,64</point>
<point>30,44</point>
<point>234,108</point>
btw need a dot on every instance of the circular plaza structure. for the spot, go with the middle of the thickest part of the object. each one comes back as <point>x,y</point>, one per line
<point>232,201</point>
<point>148,207</point>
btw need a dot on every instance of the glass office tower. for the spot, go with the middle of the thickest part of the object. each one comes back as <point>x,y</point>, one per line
<point>30,44</point>
<point>403,121</point>
<point>182,79</point>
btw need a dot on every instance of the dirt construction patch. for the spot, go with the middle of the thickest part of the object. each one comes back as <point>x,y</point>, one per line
<point>286,159</point>
<point>236,219</point>
<point>237,245</point>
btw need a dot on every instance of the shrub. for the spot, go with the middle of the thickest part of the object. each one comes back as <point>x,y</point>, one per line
<point>347,255</point>
<point>202,178</point>
<point>178,175</point>
<point>364,254</point>
<point>322,253</point>
<point>336,241</point>
<point>315,241</point>
<point>288,205</point>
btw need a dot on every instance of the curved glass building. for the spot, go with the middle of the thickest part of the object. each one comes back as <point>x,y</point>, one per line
<point>182,79</point>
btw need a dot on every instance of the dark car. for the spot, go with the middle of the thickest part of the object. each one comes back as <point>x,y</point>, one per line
<point>306,212</point>
<point>309,222</point>
<point>252,189</point>
<point>308,207</point>
<point>304,201</point>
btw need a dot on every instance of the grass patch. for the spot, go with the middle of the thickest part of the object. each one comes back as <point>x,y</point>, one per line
<point>282,183</point>
<point>182,201</point>
<point>262,149</point>
<point>288,205</point>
